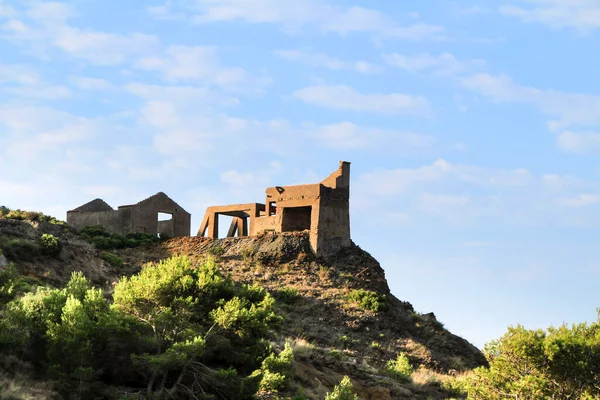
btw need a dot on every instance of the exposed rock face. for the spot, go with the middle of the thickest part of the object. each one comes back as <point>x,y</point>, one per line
<point>3,262</point>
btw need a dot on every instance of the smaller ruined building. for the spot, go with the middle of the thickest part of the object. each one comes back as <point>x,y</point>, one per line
<point>322,208</point>
<point>148,216</point>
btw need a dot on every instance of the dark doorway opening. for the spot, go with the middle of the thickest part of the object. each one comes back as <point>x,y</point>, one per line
<point>296,219</point>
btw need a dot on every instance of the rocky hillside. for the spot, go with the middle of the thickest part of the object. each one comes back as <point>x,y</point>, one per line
<point>340,336</point>
<point>339,313</point>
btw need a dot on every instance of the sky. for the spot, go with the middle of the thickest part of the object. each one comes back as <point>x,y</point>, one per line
<point>473,129</point>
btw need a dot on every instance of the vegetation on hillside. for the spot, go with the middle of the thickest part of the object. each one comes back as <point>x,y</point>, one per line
<point>558,363</point>
<point>32,216</point>
<point>104,240</point>
<point>174,330</point>
<point>182,328</point>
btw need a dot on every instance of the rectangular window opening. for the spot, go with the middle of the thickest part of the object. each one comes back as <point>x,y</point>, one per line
<point>296,219</point>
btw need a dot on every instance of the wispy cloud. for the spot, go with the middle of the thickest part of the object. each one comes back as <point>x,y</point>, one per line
<point>198,63</point>
<point>321,60</point>
<point>445,64</point>
<point>300,14</point>
<point>344,98</point>
<point>568,108</point>
<point>579,142</point>
<point>582,15</point>
<point>346,135</point>
<point>472,195</point>
<point>45,27</point>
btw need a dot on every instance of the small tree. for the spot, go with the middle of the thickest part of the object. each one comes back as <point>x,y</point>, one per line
<point>50,245</point>
<point>343,391</point>
<point>400,368</point>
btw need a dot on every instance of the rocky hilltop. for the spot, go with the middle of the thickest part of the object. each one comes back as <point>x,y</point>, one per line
<point>338,312</point>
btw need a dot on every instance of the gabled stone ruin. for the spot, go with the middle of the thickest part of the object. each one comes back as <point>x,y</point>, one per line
<point>323,209</point>
<point>158,214</point>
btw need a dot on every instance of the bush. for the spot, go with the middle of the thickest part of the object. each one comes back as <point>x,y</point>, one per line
<point>216,252</point>
<point>11,284</point>
<point>343,391</point>
<point>20,250</point>
<point>199,318</point>
<point>33,216</point>
<point>561,362</point>
<point>368,300</point>
<point>169,333</point>
<point>104,240</point>
<point>287,295</point>
<point>113,259</point>
<point>50,245</point>
<point>399,369</point>
<point>276,370</point>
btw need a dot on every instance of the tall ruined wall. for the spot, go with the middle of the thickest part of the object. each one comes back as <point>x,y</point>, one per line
<point>333,230</point>
<point>113,221</point>
<point>145,215</point>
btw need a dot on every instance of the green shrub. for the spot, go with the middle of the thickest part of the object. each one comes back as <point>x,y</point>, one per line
<point>11,284</point>
<point>343,391</point>
<point>247,254</point>
<point>335,354</point>
<point>20,250</point>
<point>368,300</point>
<point>199,318</point>
<point>168,334</point>
<point>276,370</point>
<point>50,245</point>
<point>113,259</point>
<point>33,216</point>
<point>216,252</point>
<point>287,295</point>
<point>104,240</point>
<point>560,362</point>
<point>400,368</point>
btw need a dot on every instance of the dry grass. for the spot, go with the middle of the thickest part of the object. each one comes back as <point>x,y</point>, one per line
<point>424,377</point>
<point>21,388</point>
<point>301,347</point>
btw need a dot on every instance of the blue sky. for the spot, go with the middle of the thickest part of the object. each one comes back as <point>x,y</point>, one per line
<point>473,130</point>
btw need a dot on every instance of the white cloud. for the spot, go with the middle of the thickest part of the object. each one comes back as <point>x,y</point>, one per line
<point>33,130</point>
<point>445,64</point>
<point>89,83</point>
<point>469,194</point>
<point>164,13</point>
<point>183,63</point>
<point>41,92</point>
<point>20,74</point>
<point>24,81</point>
<point>582,15</point>
<point>583,200</point>
<point>45,26</point>
<point>180,94</point>
<point>321,60</point>
<point>579,142</point>
<point>346,135</point>
<point>326,18</point>
<point>339,97</point>
<point>399,180</point>
<point>104,48</point>
<point>569,108</point>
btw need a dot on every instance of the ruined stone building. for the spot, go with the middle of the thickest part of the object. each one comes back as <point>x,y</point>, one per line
<point>141,217</point>
<point>321,208</point>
